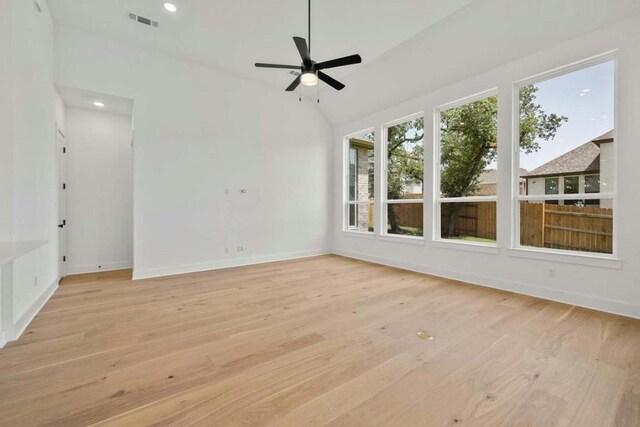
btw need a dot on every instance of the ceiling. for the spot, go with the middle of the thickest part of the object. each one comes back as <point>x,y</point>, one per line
<point>409,47</point>
<point>234,34</point>
<point>79,98</point>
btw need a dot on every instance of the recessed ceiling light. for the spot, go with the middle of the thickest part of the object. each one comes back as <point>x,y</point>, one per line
<point>170,7</point>
<point>98,104</point>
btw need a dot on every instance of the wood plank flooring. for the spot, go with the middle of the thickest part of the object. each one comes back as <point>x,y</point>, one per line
<point>319,341</point>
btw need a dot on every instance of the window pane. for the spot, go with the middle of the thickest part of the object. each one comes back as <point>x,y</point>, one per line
<point>352,215</point>
<point>571,185</point>
<point>404,219</point>
<point>362,158</point>
<point>575,228</point>
<point>361,182</point>
<point>353,176</point>
<point>405,160</point>
<point>592,184</point>
<point>566,130</point>
<point>361,216</point>
<point>471,222</point>
<point>468,149</point>
<point>551,186</point>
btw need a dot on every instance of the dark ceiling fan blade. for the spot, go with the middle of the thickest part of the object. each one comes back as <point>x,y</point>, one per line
<point>294,84</point>
<point>340,62</point>
<point>301,44</point>
<point>330,81</point>
<point>288,67</point>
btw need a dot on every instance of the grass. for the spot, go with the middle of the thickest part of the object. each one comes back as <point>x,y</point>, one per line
<point>408,231</point>
<point>470,239</point>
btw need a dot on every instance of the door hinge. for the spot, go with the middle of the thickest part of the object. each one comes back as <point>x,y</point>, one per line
<point>64,186</point>
<point>64,149</point>
<point>64,222</point>
<point>64,259</point>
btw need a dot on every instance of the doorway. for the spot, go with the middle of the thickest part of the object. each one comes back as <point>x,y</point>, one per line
<point>97,186</point>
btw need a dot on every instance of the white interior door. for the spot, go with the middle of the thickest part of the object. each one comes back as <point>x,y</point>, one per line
<point>61,151</point>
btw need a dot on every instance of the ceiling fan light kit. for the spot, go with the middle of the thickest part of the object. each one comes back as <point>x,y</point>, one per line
<point>309,79</point>
<point>310,71</point>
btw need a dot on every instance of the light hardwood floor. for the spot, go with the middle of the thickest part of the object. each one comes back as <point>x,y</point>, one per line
<point>319,341</point>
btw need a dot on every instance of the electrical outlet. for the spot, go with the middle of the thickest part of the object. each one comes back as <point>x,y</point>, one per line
<point>551,272</point>
<point>242,248</point>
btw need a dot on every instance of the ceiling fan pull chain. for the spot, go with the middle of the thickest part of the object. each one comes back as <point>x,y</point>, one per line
<point>300,93</point>
<point>318,93</point>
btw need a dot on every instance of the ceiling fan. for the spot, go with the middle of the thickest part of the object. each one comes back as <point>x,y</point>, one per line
<point>311,71</point>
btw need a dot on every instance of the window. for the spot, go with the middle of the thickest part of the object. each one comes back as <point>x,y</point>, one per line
<point>592,184</point>
<point>468,170</point>
<point>404,177</point>
<point>360,182</point>
<point>566,133</point>
<point>571,185</point>
<point>551,186</point>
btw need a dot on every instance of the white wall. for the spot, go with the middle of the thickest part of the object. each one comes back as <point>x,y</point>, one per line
<point>6,124</point>
<point>606,285</point>
<point>28,195</point>
<point>99,191</point>
<point>479,37</point>
<point>200,132</point>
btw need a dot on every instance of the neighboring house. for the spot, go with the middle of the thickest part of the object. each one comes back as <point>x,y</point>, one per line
<point>487,183</point>
<point>412,189</point>
<point>359,149</point>
<point>585,169</point>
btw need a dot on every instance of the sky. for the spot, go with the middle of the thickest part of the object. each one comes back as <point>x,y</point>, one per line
<point>586,97</point>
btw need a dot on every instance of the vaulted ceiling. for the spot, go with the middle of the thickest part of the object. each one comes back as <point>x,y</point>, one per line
<point>408,47</point>
<point>234,34</point>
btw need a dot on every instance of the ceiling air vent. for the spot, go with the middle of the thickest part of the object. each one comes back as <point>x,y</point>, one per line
<point>143,20</point>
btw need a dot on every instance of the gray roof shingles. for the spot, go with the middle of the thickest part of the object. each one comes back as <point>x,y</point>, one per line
<point>583,159</point>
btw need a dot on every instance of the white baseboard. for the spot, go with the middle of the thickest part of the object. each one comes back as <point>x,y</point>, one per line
<point>3,339</point>
<point>23,321</point>
<point>148,273</point>
<point>95,268</point>
<point>587,301</point>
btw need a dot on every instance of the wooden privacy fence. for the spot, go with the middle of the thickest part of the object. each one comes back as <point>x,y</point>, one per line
<point>472,219</point>
<point>586,229</point>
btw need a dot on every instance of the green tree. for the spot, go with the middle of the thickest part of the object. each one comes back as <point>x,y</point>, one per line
<point>405,162</point>
<point>469,143</point>
<point>468,147</point>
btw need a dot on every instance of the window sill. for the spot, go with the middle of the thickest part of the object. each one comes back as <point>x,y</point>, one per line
<point>412,240</point>
<point>359,234</point>
<point>602,261</point>
<point>466,246</point>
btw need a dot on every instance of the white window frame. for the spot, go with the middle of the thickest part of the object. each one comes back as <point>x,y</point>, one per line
<point>437,199</point>
<point>385,176</point>
<point>549,253</point>
<point>345,197</point>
